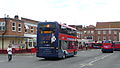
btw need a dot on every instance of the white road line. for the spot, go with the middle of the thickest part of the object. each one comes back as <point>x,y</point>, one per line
<point>82,51</point>
<point>2,61</point>
<point>94,60</point>
<point>92,50</point>
<point>83,65</point>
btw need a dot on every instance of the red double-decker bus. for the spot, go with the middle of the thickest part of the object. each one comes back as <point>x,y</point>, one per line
<point>55,40</point>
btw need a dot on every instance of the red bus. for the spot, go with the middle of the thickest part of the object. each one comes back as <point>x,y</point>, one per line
<point>117,45</point>
<point>107,46</point>
<point>55,40</point>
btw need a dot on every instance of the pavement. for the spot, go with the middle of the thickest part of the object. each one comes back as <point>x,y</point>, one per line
<point>32,54</point>
<point>21,54</point>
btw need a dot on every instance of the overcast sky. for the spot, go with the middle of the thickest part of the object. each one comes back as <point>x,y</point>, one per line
<point>72,12</point>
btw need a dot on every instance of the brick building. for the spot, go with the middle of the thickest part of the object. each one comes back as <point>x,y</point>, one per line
<point>102,30</point>
<point>30,31</point>
<point>79,28</point>
<point>18,32</point>
<point>22,32</point>
<point>87,32</point>
<point>107,30</point>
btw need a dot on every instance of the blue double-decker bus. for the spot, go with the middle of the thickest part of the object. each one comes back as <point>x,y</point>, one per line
<point>56,40</point>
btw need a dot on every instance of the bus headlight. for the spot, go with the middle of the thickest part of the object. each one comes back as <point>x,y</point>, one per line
<point>57,48</point>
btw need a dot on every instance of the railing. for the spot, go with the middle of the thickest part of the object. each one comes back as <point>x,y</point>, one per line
<point>16,50</point>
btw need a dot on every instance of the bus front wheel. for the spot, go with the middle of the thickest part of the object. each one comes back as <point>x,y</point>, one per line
<point>64,56</point>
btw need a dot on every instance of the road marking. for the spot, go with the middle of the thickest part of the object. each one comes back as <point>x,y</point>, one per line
<point>94,60</point>
<point>83,65</point>
<point>92,50</point>
<point>2,61</point>
<point>82,51</point>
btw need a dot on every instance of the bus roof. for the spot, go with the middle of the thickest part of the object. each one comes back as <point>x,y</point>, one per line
<point>68,26</point>
<point>60,24</point>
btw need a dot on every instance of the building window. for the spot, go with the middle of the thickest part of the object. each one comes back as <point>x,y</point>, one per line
<point>30,42</point>
<point>99,32</point>
<point>13,26</point>
<point>81,32</point>
<point>104,37</point>
<point>88,32</point>
<point>26,30</point>
<point>115,38</point>
<point>32,30</point>
<point>109,37</point>
<point>109,32</point>
<point>104,32</point>
<point>85,37</point>
<point>92,32</point>
<point>92,37</point>
<point>2,26</point>
<point>19,27</point>
<point>85,32</point>
<point>98,38</point>
<point>89,37</point>
<point>115,32</point>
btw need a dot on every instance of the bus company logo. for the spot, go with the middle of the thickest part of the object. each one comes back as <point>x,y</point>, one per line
<point>47,45</point>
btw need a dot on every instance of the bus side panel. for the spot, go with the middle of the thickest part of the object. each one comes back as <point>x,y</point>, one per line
<point>70,51</point>
<point>117,47</point>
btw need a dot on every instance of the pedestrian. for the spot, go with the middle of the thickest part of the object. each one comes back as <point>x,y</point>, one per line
<point>86,46</point>
<point>9,50</point>
<point>104,41</point>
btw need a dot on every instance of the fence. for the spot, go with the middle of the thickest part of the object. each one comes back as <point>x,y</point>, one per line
<point>18,50</point>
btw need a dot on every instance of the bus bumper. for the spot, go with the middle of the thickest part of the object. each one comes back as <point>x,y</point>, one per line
<point>47,55</point>
<point>107,50</point>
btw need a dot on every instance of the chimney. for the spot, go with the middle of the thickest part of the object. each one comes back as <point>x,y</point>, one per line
<point>8,16</point>
<point>16,17</point>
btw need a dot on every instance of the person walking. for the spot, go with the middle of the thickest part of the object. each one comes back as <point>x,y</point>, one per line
<point>86,46</point>
<point>9,50</point>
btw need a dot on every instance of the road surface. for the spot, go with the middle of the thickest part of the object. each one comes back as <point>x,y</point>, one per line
<point>84,59</point>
